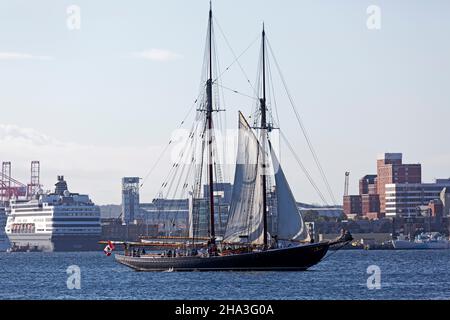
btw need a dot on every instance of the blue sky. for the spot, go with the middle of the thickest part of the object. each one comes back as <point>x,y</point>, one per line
<point>99,103</point>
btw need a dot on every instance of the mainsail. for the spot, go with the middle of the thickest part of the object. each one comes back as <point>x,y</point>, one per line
<point>290,222</point>
<point>245,220</point>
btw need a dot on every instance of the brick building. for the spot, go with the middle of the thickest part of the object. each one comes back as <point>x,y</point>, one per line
<point>371,201</point>
<point>352,205</point>
<point>391,170</point>
<point>368,184</point>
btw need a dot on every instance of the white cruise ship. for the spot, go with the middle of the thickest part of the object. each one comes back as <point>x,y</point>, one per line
<point>4,242</point>
<point>59,221</point>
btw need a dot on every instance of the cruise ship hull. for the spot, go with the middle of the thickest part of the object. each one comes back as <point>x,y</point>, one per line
<point>51,243</point>
<point>4,243</point>
<point>297,258</point>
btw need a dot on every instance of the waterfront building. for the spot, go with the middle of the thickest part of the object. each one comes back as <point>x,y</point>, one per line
<point>372,199</point>
<point>391,170</point>
<point>403,199</point>
<point>322,211</point>
<point>352,205</point>
<point>368,184</point>
<point>130,199</point>
<point>370,206</point>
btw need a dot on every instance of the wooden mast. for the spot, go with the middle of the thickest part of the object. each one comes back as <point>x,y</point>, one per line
<point>263,131</point>
<point>209,111</point>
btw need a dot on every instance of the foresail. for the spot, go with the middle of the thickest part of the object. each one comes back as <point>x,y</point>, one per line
<point>290,221</point>
<point>245,220</point>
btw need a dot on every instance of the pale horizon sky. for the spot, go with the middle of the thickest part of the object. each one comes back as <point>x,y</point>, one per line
<point>99,103</point>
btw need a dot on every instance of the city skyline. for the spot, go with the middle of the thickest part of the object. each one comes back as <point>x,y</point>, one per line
<point>100,103</point>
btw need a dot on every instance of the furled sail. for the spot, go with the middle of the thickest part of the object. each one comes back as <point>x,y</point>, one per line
<point>245,220</point>
<point>290,222</point>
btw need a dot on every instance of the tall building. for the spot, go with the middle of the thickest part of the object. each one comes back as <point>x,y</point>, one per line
<point>370,200</point>
<point>352,205</point>
<point>391,170</point>
<point>367,203</point>
<point>403,199</point>
<point>368,184</point>
<point>130,199</point>
<point>370,205</point>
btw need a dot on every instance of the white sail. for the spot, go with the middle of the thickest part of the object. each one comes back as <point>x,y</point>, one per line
<point>245,220</point>
<point>290,222</point>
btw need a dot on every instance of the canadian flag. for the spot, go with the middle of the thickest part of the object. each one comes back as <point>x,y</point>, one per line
<point>109,248</point>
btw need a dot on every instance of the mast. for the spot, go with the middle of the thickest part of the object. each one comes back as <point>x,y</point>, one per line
<point>209,120</point>
<point>263,131</point>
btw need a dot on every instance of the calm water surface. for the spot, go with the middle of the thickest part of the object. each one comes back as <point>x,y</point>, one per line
<point>343,275</point>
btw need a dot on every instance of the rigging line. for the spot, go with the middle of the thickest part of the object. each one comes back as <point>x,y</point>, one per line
<point>272,87</point>
<point>237,92</point>
<point>305,133</point>
<point>167,146</point>
<point>236,58</point>
<point>170,174</point>
<point>197,177</point>
<point>269,69</point>
<point>179,163</point>
<point>302,166</point>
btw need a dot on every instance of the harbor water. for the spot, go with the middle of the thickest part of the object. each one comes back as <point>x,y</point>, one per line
<point>342,275</point>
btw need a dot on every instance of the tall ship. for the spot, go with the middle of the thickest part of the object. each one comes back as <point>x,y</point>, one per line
<point>254,238</point>
<point>53,221</point>
<point>4,242</point>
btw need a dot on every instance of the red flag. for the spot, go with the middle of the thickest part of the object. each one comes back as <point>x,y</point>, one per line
<point>109,248</point>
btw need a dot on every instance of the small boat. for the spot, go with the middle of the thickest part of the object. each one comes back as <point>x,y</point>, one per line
<point>425,240</point>
<point>249,243</point>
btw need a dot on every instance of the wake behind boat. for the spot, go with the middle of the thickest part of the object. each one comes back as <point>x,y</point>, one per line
<point>254,238</point>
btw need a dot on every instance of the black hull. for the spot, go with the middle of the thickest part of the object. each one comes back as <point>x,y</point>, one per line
<point>298,258</point>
